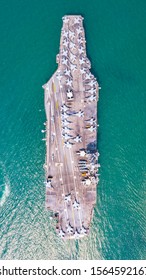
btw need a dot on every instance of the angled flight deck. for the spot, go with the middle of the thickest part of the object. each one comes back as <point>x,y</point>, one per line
<point>71,166</point>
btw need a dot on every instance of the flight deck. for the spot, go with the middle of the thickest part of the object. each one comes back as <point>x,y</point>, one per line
<point>71,165</point>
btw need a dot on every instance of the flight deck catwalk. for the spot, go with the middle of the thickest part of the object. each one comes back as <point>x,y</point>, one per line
<point>71,166</point>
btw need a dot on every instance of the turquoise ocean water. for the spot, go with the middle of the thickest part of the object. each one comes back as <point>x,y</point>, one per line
<point>29,42</point>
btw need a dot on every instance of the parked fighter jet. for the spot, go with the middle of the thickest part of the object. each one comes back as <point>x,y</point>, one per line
<point>66,136</point>
<point>77,20</point>
<point>61,233</point>
<point>92,128</point>
<point>64,52</point>
<point>81,50</point>
<point>64,33</point>
<point>65,108</point>
<point>72,57</point>
<point>80,40</point>
<point>48,184</point>
<point>70,95</point>
<point>88,76</point>
<point>76,234</point>
<point>72,45</point>
<point>66,129</point>
<point>69,82</point>
<point>82,60</point>
<point>67,72</point>
<point>79,30</point>
<point>68,144</point>
<point>64,61</point>
<point>71,34</point>
<point>91,98</point>
<point>83,71</point>
<point>76,204</point>
<point>69,229</point>
<point>80,114</point>
<point>65,43</point>
<point>64,115</point>
<point>65,122</point>
<point>59,76</point>
<point>91,121</point>
<point>83,230</point>
<point>67,197</point>
<point>86,181</point>
<point>82,153</point>
<point>92,90</point>
<point>77,139</point>
<point>73,67</point>
<point>92,83</point>
<point>65,19</point>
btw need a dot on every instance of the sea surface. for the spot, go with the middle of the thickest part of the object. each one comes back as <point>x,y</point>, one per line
<point>29,42</point>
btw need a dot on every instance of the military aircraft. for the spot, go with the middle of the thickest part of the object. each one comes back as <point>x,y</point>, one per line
<point>71,34</point>
<point>64,33</point>
<point>65,44</point>
<point>88,76</point>
<point>73,67</point>
<point>72,45</point>
<point>65,19</point>
<point>59,76</point>
<point>61,233</point>
<point>67,72</point>
<point>92,83</point>
<point>69,229</point>
<point>86,181</point>
<point>92,90</point>
<point>65,108</point>
<point>82,60</point>
<point>80,40</point>
<point>65,122</point>
<point>76,204</point>
<point>68,144</point>
<point>77,139</point>
<point>91,98</point>
<point>64,52</point>
<point>80,114</point>
<point>79,30</point>
<point>72,57</point>
<point>48,183</point>
<point>66,129</point>
<point>66,136</point>
<point>64,61</point>
<point>83,71</point>
<point>69,82</point>
<point>81,50</point>
<point>83,230</point>
<point>67,197</point>
<point>91,121</point>
<point>77,20</point>
<point>82,153</point>
<point>92,128</point>
<point>64,115</point>
<point>76,234</point>
<point>70,95</point>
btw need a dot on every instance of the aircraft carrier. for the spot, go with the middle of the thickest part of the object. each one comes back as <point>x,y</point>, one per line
<point>71,165</point>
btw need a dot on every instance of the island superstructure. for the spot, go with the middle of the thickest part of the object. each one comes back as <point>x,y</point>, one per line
<point>71,166</point>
